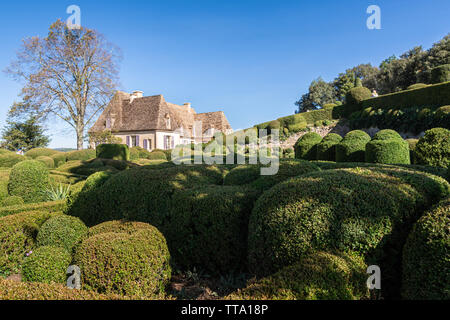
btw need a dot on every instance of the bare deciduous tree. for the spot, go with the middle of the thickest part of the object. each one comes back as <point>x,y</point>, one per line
<point>71,74</point>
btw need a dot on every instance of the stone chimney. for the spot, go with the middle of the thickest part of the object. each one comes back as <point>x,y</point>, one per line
<point>136,94</point>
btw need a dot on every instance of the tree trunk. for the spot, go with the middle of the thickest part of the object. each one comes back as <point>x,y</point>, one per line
<point>80,131</point>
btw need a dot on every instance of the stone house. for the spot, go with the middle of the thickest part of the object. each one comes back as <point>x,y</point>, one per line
<point>153,123</point>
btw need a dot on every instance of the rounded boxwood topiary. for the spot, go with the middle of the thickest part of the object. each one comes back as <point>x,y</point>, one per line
<point>134,264</point>
<point>139,153</point>
<point>442,117</point>
<point>59,158</point>
<point>29,179</point>
<point>353,147</point>
<point>157,155</point>
<point>388,147</point>
<point>326,149</point>
<point>306,147</point>
<point>118,226</point>
<point>86,154</point>
<point>12,201</point>
<point>49,163</point>
<point>62,231</point>
<point>317,276</point>
<point>141,194</point>
<point>208,228</point>
<point>46,264</point>
<point>8,160</point>
<point>113,151</point>
<point>364,210</point>
<point>295,123</point>
<point>426,256</point>
<point>433,148</point>
<point>40,152</point>
<point>356,95</point>
<point>17,236</point>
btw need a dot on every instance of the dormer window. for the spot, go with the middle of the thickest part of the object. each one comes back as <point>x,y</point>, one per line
<point>167,118</point>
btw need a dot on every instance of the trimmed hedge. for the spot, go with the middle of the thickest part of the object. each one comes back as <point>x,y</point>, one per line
<point>130,264</point>
<point>317,276</point>
<point>364,210</point>
<point>388,147</point>
<point>306,146</point>
<point>17,236</point>
<point>251,174</point>
<point>440,74</point>
<point>417,86</point>
<point>29,179</point>
<point>86,168</point>
<point>434,148</point>
<point>433,95</point>
<point>113,151</point>
<point>141,194</point>
<point>46,264</point>
<point>353,147</point>
<point>294,123</point>
<point>157,155</point>
<point>208,228</point>
<point>12,201</point>
<point>85,154</point>
<point>59,158</point>
<point>52,206</point>
<point>62,231</point>
<point>117,226</point>
<point>39,152</point>
<point>12,290</point>
<point>49,162</point>
<point>8,160</point>
<point>326,149</point>
<point>312,117</point>
<point>426,256</point>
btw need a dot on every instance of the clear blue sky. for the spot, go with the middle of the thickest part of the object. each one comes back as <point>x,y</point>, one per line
<point>251,59</point>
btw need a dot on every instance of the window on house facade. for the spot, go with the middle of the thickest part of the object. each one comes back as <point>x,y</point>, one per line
<point>148,144</point>
<point>133,141</point>
<point>168,142</point>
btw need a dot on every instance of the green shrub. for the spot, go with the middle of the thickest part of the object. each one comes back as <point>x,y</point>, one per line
<point>50,207</point>
<point>306,147</point>
<point>434,148</point>
<point>86,168</point>
<point>46,264</point>
<point>251,174</point>
<point>8,160</point>
<point>138,153</point>
<point>294,123</point>
<point>442,117</point>
<point>288,153</point>
<point>59,158</point>
<point>440,74</point>
<point>113,151</point>
<point>326,149</point>
<point>412,147</point>
<point>62,231</point>
<point>417,86</point>
<point>85,154</point>
<point>29,179</point>
<point>364,210</point>
<point>318,115</point>
<point>40,152</point>
<point>117,226</point>
<point>134,264</point>
<point>329,105</point>
<point>355,97</point>
<point>208,228</point>
<point>49,162</point>
<point>17,236</point>
<point>318,276</point>
<point>433,95</point>
<point>141,194</point>
<point>353,147</point>
<point>426,256</point>
<point>12,290</point>
<point>12,201</point>
<point>157,155</point>
<point>388,147</point>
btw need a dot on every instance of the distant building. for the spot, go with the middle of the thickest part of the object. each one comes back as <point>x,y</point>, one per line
<point>153,123</point>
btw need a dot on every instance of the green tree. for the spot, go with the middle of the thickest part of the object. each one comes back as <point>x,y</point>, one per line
<point>24,135</point>
<point>320,93</point>
<point>71,74</point>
